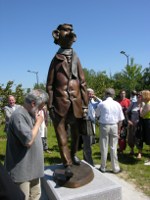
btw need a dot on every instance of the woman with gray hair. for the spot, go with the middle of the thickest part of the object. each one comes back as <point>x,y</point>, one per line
<point>24,153</point>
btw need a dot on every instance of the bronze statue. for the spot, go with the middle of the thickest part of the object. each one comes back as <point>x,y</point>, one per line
<point>67,91</point>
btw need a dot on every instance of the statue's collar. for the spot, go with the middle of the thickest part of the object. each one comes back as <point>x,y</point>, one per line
<point>65,52</point>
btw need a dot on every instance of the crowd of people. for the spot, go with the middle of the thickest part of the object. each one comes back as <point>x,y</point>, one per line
<point>126,119</point>
<point>137,119</point>
<point>123,121</point>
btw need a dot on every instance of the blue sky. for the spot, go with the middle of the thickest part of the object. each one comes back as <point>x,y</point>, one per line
<point>103,28</point>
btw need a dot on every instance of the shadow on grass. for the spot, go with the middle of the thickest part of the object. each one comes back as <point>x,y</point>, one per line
<point>146,155</point>
<point>127,159</point>
<point>2,157</point>
<point>96,155</point>
<point>122,158</point>
<point>55,148</point>
<point>52,160</point>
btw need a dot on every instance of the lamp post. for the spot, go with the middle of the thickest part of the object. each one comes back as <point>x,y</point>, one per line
<point>127,56</point>
<point>36,73</point>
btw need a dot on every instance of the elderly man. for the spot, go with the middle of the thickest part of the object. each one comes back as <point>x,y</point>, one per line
<point>92,105</point>
<point>24,153</point>
<point>88,140</point>
<point>110,118</point>
<point>9,109</point>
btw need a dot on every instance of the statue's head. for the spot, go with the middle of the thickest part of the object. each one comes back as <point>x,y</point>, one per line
<point>64,36</point>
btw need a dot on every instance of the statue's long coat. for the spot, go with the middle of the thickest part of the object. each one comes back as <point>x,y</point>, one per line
<point>66,85</point>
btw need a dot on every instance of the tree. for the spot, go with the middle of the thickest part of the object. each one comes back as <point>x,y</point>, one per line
<point>146,78</point>
<point>40,86</point>
<point>90,75</point>
<point>129,79</point>
<point>101,82</point>
<point>97,81</point>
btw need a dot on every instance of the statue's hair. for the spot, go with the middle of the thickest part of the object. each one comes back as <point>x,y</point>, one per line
<point>60,26</point>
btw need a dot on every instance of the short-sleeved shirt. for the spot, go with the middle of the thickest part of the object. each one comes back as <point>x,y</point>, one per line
<point>8,112</point>
<point>23,163</point>
<point>109,112</point>
<point>124,103</point>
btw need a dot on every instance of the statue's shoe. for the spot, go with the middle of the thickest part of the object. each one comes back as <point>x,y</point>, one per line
<point>68,172</point>
<point>76,160</point>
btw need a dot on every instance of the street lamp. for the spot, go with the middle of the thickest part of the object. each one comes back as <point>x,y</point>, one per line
<point>36,73</point>
<point>127,56</point>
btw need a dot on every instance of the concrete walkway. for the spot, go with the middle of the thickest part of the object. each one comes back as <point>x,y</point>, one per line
<point>129,192</point>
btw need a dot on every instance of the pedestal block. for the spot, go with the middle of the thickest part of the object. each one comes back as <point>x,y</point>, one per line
<point>100,188</point>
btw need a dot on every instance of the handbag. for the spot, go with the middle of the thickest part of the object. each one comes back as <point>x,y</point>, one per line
<point>86,127</point>
<point>129,112</point>
<point>139,134</point>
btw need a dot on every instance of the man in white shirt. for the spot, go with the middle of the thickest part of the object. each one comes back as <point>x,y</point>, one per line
<point>110,118</point>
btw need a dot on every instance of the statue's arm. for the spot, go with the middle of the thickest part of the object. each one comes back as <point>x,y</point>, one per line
<point>49,84</point>
<point>83,86</point>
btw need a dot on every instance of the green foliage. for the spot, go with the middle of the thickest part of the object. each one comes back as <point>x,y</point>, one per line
<point>97,81</point>
<point>131,75</point>
<point>129,79</point>
<point>40,86</point>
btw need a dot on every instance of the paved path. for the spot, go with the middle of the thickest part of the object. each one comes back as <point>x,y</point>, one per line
<point>129,192</point>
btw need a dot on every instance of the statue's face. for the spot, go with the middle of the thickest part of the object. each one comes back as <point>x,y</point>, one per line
<point>66,36</point>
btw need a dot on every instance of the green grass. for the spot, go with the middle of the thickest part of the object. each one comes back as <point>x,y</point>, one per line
<point>134,170</point>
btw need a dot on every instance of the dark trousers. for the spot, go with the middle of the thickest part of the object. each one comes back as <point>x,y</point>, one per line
<point>60,124</point>
<point>8,189</point>
<point>87,149</point>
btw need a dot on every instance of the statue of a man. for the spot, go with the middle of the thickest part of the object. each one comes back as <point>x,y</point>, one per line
<point>67,91</point>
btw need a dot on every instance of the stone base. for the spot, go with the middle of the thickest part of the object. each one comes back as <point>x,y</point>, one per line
<point>100,188</point>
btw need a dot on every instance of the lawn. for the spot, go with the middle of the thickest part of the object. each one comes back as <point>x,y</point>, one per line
<point>134,170</point>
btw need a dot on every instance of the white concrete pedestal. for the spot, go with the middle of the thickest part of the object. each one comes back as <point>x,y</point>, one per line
<point>100,188</point>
